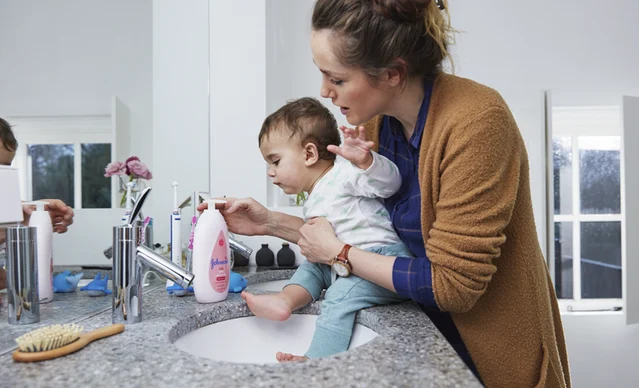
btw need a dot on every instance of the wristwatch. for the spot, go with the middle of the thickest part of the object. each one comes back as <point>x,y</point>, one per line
<point>340,263</point>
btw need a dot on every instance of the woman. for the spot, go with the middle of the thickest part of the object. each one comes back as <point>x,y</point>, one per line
<point>464,208</point>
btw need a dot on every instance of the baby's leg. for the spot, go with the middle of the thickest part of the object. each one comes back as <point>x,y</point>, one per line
<point>306,284</point>
<point>343,300</point>
<point>280,306</point>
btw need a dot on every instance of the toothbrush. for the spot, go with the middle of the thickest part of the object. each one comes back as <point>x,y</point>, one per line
<point>176,232</point>
<point>125,217</point>
<point>146,222</point>
<point>189,258</point>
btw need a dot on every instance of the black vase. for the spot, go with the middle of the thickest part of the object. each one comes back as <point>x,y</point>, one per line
<point>265,257</point>
<point>239,260</point>
<point>285,256</point>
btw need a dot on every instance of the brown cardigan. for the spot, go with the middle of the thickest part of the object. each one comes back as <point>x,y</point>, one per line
<point>487,267</point>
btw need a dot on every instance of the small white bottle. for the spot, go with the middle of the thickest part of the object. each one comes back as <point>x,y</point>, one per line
<point>41,220</point>
<point>211,254</point>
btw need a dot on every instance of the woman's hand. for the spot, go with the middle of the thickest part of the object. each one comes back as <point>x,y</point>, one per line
<point>243,216</point>
<point>61,214</point>
<point>318,241</point>
<point>356,148</point>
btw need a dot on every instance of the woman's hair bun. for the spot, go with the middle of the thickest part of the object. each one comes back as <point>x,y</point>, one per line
<point>403,11</point>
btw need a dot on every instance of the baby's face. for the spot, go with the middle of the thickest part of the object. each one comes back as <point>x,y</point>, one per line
<point>6,156</point>
<point>285,157</point>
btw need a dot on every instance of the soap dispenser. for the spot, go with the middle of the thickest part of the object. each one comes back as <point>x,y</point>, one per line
<point>41,220</point>
<point>211,254</point>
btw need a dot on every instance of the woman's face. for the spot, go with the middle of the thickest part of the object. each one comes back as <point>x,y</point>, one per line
<point>348,87</point>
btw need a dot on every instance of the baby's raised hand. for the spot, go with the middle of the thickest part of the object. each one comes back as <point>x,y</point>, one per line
<point>355,148</point>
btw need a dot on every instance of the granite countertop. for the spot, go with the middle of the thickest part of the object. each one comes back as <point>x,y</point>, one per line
<point>65,308</point>
<point>409,351</point>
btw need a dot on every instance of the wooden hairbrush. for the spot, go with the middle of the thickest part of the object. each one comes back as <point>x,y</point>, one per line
<point>58,340</point>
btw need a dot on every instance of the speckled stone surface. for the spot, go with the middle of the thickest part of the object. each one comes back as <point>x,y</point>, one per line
<point>65,308</point>
<point>409,352</point>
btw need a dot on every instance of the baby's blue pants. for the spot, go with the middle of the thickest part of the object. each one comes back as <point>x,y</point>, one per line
<point>342,301</point>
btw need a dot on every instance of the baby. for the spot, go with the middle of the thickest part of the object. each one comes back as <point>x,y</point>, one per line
<point>294,142</point>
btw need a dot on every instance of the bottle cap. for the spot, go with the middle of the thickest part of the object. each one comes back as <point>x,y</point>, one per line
<point>216,203</point>
<point>38,204</point>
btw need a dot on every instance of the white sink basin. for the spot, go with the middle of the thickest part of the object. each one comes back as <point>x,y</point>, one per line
<point>273,285</point>
<point>256,340</point>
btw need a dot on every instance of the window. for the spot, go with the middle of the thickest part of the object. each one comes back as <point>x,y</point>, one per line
<point>64,157</point>
<point>585,207</point>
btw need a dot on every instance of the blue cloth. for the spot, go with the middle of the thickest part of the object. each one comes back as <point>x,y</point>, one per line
<point>412,277</point>
<point>238,282</point>
<point>98,286</point>
<point>343,299</point>
<point>65,282</point>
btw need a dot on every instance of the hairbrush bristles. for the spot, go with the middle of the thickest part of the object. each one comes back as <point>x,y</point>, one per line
<point>49,338</point>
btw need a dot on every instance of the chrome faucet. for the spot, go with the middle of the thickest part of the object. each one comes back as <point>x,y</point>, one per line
<point>148,233</point>
<point>130,260</point>
<point>148,239</point>
<point>238,247</point>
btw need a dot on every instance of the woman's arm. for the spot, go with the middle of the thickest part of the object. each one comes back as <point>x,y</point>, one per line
<point>479,185</point>
<point>320,245</point>
<point>375,268</point>
<point>248,217</point>
<point>409,277</point>
<point>284,226</point>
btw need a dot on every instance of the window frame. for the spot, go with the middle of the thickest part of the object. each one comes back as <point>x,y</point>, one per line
<point>576,122</point>
<point>44,130</point>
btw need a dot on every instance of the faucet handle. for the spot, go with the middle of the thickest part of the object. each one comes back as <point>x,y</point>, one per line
<point>138,205</point>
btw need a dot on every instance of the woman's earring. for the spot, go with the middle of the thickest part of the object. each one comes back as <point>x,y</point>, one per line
<point>440,4</point>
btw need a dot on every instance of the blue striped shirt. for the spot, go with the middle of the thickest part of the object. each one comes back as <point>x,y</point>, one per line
<point>412,277</point>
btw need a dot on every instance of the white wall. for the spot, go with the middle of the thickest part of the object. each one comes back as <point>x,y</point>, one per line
<point>180,108</point>
<point>238,98</point>
<point>68,58</point>
<point>602,350</point>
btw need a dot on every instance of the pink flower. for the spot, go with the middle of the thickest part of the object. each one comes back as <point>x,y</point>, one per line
<point>138,169</point>
<point>126,163</point>
<point>114,168</point>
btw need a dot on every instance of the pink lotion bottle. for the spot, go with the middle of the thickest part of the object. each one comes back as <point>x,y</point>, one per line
<point>211,256</point>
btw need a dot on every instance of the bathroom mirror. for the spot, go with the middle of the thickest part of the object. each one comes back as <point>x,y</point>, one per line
<point>72,74</point>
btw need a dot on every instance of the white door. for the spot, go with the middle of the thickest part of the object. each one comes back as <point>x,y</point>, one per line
<point>630,150</point>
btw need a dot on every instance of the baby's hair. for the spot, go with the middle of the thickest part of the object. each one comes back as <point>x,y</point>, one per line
<point>307,120</point>
<point>9,141</point>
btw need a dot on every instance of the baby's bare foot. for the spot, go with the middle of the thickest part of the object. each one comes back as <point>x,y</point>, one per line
<point>288,357</point>
<point>274,307</point>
